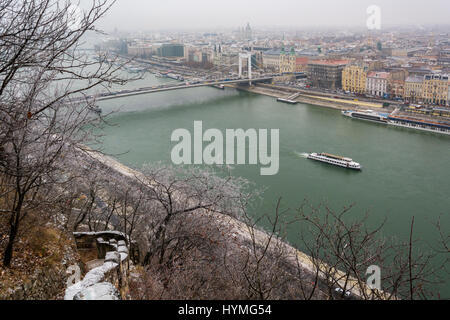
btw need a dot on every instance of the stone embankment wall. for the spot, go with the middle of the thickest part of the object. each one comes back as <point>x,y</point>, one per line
<point>311,97</point>
<point>109,281</point>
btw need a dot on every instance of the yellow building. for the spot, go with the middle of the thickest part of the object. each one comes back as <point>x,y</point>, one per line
<point>287,61</point>
<point>354,78</point>
<point>413,89</point>
<point>435,89</point>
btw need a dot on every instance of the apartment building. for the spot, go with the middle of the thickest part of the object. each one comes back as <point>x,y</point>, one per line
<point>435,89</point>
<point>326,73</point>
<point>354,78</point>
<point>377,83</point>
<point>413,89</point>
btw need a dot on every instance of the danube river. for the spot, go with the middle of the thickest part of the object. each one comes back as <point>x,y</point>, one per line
<point>405,173</point>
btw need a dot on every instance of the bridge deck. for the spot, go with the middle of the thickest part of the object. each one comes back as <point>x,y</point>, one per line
<point>116,95</point>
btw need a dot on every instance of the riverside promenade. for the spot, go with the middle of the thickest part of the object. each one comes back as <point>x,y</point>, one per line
<point>310,98</point>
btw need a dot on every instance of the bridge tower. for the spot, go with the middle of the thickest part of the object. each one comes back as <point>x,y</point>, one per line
<point>247,56</point>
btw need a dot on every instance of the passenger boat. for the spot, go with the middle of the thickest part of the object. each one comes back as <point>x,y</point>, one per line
<point>287,101</point>
<point>400,121</point>
<point>419,124</point>
<point>335,160</point>
<point>367,115</point>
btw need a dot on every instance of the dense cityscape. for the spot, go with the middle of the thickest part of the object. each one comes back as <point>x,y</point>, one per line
<point>404,67</point>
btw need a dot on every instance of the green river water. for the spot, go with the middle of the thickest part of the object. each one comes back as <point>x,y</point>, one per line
<point>405,172</point>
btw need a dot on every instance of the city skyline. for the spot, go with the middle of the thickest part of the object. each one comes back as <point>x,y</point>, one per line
<point>203,14</point>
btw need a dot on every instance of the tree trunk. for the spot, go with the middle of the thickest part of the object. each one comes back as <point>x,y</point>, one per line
<point>163,247</point>
<point>14,227</point>
<point>9,247</point>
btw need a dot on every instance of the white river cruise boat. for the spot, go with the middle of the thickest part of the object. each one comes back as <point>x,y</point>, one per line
<point>368,115</point>
<point>335,160</point>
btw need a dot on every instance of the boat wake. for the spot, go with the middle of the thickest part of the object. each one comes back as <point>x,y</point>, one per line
<point>301,154</point>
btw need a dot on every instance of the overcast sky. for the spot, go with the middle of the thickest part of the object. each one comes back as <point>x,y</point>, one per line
<point>211,14</point>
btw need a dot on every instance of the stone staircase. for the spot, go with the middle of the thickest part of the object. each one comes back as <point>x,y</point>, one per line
<point>107,276</point>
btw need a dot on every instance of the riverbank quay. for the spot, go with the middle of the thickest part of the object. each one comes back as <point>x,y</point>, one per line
<point>311,98</point>
<point>289,95</point>
<point>239,236</point>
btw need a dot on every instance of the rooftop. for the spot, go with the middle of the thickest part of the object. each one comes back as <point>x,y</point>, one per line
<point>275,52</point>
<point>414,79</point>
<point>302,60</point>
<point>378,74</point>
<point>329,62</point>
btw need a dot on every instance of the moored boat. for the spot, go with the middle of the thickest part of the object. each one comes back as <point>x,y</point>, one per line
<point>367,115</point>
<point>420,124</point>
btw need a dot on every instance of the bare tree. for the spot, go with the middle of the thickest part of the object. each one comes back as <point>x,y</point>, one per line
<point>176,191</point>
<point>263,260</point>
<point>200,242</point>
<point>43,115</point>
<point>342,248</point>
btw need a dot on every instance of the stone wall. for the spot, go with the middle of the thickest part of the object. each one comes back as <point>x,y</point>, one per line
<point>88,240</point>
<point>108,281</point>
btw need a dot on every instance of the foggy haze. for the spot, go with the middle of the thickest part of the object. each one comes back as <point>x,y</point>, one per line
<point>212,14</point>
